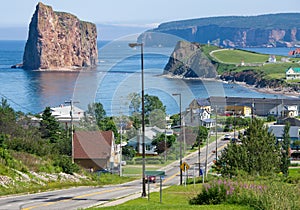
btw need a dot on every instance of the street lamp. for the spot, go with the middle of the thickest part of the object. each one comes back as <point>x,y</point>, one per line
<point>180,145</point>
<point>132,45</point>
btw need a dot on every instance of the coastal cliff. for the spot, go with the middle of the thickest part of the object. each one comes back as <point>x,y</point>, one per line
<point>273,30</point>
<point>188,61</point>
<point>59,41</point>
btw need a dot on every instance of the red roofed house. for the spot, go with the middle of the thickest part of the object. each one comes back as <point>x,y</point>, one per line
<point>95,149</point>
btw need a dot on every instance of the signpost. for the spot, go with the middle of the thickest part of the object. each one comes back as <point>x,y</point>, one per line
<point>161,174</point>
<point>185,167</point>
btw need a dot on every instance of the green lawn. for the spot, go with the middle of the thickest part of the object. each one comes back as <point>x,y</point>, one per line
<point>270,70</point>
<point>175,197</point>
<point>236,56</point>
<point>137,169</point>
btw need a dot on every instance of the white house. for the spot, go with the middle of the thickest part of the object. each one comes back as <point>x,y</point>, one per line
<point>292,73</point>
<point>272,59</point>
<point>199,110</point>
<point>285,110</point>
<point>63,114</point>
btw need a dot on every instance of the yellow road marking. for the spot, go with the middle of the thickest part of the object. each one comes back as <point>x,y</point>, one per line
<point>174,175</point>
<point>69,199</point>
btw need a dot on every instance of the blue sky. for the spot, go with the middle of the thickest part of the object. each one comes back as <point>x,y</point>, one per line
<point>134,13</point>
<point>141,12</point>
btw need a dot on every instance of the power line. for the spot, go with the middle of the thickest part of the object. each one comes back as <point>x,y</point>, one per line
<point>23,107</point>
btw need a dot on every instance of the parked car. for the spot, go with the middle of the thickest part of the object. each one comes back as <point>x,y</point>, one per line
<point>103,171</point>
<point>151,179</point>
<point>227,137</point>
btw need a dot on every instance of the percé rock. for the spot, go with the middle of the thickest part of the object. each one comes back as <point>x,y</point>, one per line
<point>188,61</point>
<point>59,41</point>
<point>272,30</point>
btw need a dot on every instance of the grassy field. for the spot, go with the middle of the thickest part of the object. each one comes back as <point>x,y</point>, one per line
<point>257,61</point>
<point>236,56</point>
<point>175,197</point>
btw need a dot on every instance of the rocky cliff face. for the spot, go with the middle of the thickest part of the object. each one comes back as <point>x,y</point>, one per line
<point>252,78</point>
<point>188,61</point>
<point>59,41</point>
<point>276,30</point>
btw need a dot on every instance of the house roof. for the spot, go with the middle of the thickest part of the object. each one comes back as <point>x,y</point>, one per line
<point>150,133</point>
<point>202,102</point>
<point>63,112</point>
<point>296,70</point>
<point>277,130</point>
<point>293,121</point>
<point>93,144</point>
<point>209,120</point>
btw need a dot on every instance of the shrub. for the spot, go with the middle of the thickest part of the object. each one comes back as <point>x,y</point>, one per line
<point>65,163</point>
<point>275,196</point>
<point>214,193</point>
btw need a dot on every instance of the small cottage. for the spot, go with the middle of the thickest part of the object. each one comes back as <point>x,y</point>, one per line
<point>292,73</point>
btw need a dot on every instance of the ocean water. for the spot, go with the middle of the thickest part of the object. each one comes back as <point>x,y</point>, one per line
<point>117,75</point>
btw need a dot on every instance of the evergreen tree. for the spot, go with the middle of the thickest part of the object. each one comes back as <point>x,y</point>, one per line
<point>97,111</point>
<point>153,103</point>
<point>257,154</point>
<point>49,126</point>
<point>108,124</point>
<point>202,135</point>
<point>7,119</point>
<point>285,161</point>
<point>135,102</point>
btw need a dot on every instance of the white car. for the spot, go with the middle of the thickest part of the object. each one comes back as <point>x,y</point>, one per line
<point>227,137</point>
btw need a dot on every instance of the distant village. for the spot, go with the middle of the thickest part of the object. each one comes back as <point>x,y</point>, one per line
<point>98,150</point>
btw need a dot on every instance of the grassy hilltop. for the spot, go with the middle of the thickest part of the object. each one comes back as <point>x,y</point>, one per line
<point>229,60</point>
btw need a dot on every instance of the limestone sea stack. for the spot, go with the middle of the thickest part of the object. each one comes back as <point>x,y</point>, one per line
<point>189,62</point>
<point>59,41</point>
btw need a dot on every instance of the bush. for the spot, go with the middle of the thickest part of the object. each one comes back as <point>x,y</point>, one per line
<point>211,194</point>
<point>271,118</point>
<point>276,195</point>
<point>65,163</point>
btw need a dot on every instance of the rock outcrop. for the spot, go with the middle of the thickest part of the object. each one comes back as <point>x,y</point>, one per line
<point>253,78</point>
<point>188,61</point>
<point>273,30</point>
<point>59,41</point>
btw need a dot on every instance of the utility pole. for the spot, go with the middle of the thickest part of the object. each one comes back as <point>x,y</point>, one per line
<point>199,145</point>
<point>121,141</point>
<point>180,143</point>
<point>206,154</point>
<point>71,102</point>
<point>216,131</point>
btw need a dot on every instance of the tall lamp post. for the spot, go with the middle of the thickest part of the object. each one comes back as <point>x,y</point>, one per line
<point>132,45</point>
<point>180,145</point>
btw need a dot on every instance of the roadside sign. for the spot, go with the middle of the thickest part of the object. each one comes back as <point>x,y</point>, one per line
<point>184,166</point>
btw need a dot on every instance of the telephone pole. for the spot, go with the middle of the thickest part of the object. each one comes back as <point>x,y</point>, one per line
<point>71,102</point>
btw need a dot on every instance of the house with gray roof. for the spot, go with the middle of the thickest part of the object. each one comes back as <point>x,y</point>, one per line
<point>150,134</point>
<point>277,130</point>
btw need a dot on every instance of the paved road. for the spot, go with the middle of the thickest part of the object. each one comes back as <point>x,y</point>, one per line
<point>83,197</point>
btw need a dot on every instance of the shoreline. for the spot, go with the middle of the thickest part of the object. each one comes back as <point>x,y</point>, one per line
<point>284,91</point>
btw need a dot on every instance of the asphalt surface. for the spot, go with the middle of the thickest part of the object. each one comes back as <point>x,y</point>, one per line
<point>84,197</point>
